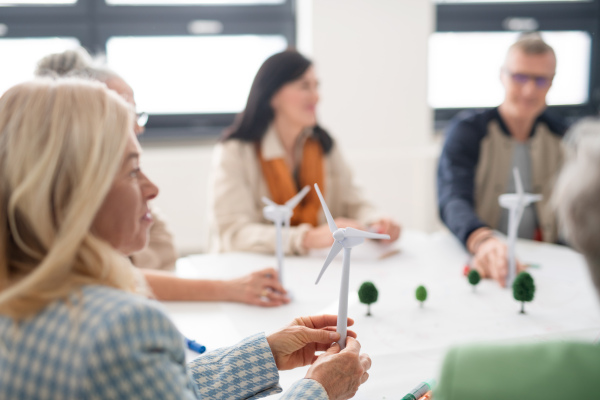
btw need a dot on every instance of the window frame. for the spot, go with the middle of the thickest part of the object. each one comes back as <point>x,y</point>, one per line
<point>551,16</point>
<point>94,22</point>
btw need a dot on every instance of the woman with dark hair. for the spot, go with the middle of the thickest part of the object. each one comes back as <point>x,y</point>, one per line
<point>274,148</point>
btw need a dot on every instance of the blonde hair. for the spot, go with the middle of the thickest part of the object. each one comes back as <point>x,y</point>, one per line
<point>61,145</point>
<point>577,192</point>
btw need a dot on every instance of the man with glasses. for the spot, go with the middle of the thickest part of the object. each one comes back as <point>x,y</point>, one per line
<point>482,148</point>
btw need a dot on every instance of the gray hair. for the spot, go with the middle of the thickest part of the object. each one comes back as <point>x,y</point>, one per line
<point>532,43</point>
<point>73,63</point>
<point>577,193</point>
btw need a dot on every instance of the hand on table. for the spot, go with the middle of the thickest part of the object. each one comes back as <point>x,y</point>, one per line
<point>387,226</point>
<point>260,288</point>
<point>321,236</point>
<point>341,372</point>
<point>296,344</point>
<point>490,257</point>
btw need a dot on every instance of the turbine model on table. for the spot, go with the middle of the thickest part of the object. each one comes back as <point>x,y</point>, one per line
<point>515,203</point>
<point>343,238</point>
<point>281,214</point>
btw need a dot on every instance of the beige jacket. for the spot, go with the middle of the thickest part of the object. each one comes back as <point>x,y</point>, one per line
<point>495,166</point>
<point>160,252</point>
<point>237,187</point>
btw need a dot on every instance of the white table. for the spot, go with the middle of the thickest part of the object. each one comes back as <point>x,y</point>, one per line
<point>406,343</point>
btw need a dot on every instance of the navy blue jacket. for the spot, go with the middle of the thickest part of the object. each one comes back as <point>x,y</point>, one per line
<point>458,164</point>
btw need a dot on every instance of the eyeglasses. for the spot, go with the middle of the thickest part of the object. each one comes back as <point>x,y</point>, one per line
<point>541,82</point>
<point>141,119</point>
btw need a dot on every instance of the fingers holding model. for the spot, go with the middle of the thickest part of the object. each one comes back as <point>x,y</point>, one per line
<point>490,255</point>
<point>296,344</point>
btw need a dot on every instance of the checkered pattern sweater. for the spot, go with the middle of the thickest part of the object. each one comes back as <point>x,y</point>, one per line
<point>104,343</point>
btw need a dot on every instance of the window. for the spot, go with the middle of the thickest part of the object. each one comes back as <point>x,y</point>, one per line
<point>465,68</point>
<point>35,2</point>
<point>24,55</point>
<point>502,1</point>
<point>183,58</point>
<point>201,75</point>
<point>190,2</point>
<point>468,48</point>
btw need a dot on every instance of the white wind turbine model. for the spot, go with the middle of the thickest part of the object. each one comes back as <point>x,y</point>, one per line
<point>515,203</point>
<point>344,238</point>
<point>279,215</point>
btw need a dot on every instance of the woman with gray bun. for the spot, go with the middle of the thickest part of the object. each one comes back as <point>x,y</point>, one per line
<point>260,288</point>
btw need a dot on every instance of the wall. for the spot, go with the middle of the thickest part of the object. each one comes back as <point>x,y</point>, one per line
<point>371,59</point>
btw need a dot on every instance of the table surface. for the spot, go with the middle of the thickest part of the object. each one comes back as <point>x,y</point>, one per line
<point>407,343</point>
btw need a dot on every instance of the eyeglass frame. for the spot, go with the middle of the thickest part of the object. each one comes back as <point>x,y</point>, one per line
<point>141,118</point>
<point>541,82</point>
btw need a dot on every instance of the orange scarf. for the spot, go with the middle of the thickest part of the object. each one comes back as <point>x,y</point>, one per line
<point>282,186</point>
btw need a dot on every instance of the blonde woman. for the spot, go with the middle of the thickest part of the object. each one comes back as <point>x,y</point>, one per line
<point>73,205</point>
<point>260,288</point>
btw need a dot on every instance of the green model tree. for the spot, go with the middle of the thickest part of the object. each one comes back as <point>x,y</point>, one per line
<point>523,289</point>
<point>367,294</point>
<point>421,294</point>
<point>474,278</point>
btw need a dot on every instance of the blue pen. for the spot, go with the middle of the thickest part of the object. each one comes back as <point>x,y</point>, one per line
<point>194,346</point>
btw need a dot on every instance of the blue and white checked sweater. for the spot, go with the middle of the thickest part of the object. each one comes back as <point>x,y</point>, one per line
<point>107,344</point>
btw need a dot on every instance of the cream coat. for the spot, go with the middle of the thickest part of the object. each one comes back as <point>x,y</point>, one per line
<point>237,187</point>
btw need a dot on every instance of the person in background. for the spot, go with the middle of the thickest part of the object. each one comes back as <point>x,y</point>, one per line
<point>73,324</point>
<point>260,288</point>
<point>549,370</point>
<point>274,148</point>
<point>482,148</point>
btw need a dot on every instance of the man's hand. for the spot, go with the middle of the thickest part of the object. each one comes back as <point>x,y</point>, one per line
<point>490,255</point>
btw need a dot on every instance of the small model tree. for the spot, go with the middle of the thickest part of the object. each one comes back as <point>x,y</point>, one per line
<point>474,278</point>
<point>367,294</point>
<point>523,289</point>
<point>421,294</point>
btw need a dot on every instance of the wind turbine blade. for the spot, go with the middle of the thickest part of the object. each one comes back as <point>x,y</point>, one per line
<point>351,232</point>
<point>293,202</point>
<point>332,226</point>
<point>518,182</point>
<point>335,249</point>
<point>268,202</point>
<point>532,198</point>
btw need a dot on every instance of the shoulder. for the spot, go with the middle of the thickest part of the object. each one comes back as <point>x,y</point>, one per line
<point>472,123</point>
<point>234,152</point>
<point>557,124</point>
<point>110,315</point>
<point>466,131</point>
<point>547,370</point>
<point>235,146</point>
